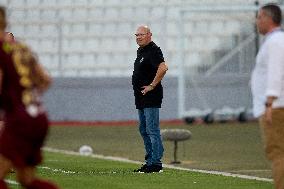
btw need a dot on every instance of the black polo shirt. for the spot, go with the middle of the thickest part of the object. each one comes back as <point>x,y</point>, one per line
<point>145,68</point>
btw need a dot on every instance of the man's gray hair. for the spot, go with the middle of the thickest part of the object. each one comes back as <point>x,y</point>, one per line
<point>274,11</point>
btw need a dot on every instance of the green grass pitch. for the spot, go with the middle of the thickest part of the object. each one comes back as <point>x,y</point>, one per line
<point>231,147</point>
<point>77,172</point>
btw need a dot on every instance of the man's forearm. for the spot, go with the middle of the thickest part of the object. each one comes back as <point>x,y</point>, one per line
<point>161,72</point>
<point>269,100</point>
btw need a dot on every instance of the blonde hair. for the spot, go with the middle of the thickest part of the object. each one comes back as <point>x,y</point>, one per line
<point>26,64</point>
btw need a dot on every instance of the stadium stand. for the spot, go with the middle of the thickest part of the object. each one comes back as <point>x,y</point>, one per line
<point>100,32</point>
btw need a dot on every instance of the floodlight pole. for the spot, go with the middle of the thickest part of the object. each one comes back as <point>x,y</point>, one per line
<point>59,50</point>
<point>255,29</point>
<point>181,78</point>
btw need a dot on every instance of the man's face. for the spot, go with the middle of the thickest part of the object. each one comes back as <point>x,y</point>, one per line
<point>263,22</point>
<point>143,36</point>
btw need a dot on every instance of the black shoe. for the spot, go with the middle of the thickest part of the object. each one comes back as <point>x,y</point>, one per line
<point>141,169</point>
<point>154,169</point>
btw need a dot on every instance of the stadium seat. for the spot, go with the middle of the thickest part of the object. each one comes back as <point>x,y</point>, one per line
<point>32,29</point>
<point>78,28</point>
<point>63,28</point>
<point>96,13</point>
<point>126,12</point>
<point>172,29</point>
<point>126,29</point>
<point>217,27</point>
<point>109,29</point>
<point>48,45</point>
<point>92,44</point>
<point>65,13</point>
<point>75,45</point>
<point>233,27</point>
<point>34,14</point>
<point>88,61</point>
<point>18,14</point>
<point>192,59</point>
<point>48,15</point>
<point>33,44</point>
<point>80,14</point>
<point>112,2</point>
<point>200,28</point>
<point>49,62</point>
<point>119,59</point>
<point>158,28</point>
<point>4,2</point>
<point>80,2</point>
<point>15,3</point>
<point>111,13</point>
<point>64,3</point>
<point>196,43</point>
<point>123,43</point>
<point>73,62</point>
<point>172,44</point>
<point>103,59</point>
<point>95,28</point>
<point>142,12</point>
<point>158,12</point>
<point>107,44</point>
<point>213,43</point>
<point>174,12</point>
<point>34,2</point>
<point>49,2</point>
<point>49,29</point>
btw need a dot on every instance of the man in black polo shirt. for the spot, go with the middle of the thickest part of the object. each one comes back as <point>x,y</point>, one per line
<point>149,70</point>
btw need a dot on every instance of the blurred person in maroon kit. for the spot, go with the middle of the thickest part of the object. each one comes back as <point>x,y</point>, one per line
<point>8,37</point>
<point>22,82</point>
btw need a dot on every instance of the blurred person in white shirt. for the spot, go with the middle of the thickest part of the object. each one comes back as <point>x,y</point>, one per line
<point>267,84</point>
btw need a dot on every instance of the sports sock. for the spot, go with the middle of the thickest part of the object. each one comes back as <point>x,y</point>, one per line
<point>41,184</point>
<point>3,185</point>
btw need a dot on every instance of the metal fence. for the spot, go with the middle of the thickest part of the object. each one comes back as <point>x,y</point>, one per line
<point>217,85</point>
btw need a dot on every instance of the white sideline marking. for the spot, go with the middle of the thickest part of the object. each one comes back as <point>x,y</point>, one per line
<point>57,170</point>
<point>41,167</point>
<point>256,170</point>
<point>164,165</point>
<point>11,182</point>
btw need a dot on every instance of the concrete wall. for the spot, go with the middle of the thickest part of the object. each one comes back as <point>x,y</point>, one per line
<point>111,99</point>
<point>101,99</point>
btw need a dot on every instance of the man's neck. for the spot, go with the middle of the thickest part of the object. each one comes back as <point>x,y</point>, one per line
<point>273,28</point>
<point>145,45</point>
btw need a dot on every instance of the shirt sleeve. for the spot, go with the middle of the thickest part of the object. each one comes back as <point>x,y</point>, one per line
<point>275,68</point>
<point>157,57</point>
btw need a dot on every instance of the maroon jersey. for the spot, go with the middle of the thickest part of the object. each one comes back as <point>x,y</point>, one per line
<point>25,120</point>
<point>18,91</point>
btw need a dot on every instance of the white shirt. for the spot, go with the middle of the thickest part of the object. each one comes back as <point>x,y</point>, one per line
<point>268,74</point>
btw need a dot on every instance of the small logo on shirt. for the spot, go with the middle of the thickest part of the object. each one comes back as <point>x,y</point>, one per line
<point>141,60</point>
